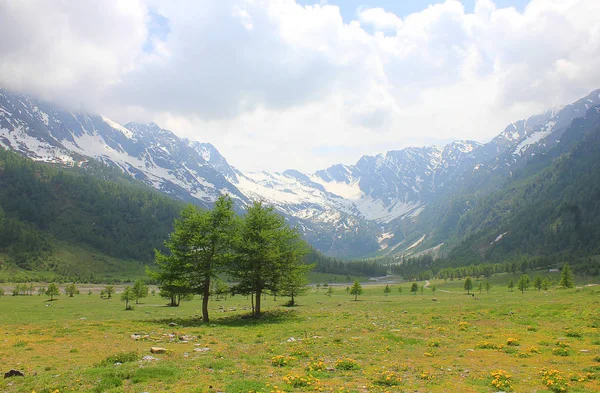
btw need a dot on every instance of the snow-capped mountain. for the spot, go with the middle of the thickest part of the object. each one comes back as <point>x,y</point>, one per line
<point>344,210</point>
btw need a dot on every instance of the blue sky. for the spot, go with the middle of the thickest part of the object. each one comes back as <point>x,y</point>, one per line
<point>403,8</point>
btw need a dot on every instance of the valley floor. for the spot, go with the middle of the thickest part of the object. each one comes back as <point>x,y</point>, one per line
<point>442,342</point>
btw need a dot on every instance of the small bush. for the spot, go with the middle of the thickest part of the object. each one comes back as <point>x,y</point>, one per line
<point>298,381</point>
<point>347,364</point>
<point>501,380</point>
<point>387,378</point>
<point>281,360</point>
<point>554,381</point>
<point>122,357</point>
<point>572,333</point>
<point>316,366</point>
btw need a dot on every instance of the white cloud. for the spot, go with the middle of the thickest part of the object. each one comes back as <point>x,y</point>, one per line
<point>69,50</point>
<point>276,85</point>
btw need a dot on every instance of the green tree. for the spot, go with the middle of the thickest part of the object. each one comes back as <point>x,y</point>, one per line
<point>52,291</point>
<point>523,283</point>
<point>386,290</point>
<point>537,283</point>
<point>487,287</point>
<point>201,248</point>
<point>109,291</point>
<point>71,290</point>
<point>220,288</point>
<point>433,289</point>
<point>127,296</point>
<point>175,291</point>
<point>329,291</point>
<point>41,291</point>
<point>399,289</point>
<point>294,281</point>
<point>356,290</point>
<point>414,288</point>
<point>468,285</point>
<point>545,284</point>
<point>511,285</point>
<point>268,254</point>
<point>566,277</point>
<point>140,290</point>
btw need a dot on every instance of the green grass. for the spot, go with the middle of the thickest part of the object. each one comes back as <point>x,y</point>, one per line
<point>69,260</point>
<point>84,343</point>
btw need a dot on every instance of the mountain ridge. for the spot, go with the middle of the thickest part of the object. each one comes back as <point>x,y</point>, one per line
<point>368,208</point>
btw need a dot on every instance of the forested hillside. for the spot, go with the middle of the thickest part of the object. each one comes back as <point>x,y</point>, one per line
<point>554,210</point>
<point>96,207</point>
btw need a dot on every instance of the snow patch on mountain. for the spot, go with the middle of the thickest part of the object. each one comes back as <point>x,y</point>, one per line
<point>19,140</point>
<point>118,127</point>
<point>535,138</point>
<point>377,210</point>
<point>416,243</point>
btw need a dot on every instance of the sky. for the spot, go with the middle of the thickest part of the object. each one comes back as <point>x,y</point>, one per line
<point>305,84</point>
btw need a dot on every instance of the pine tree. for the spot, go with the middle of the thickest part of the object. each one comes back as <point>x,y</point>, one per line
<point>523,283</point>
<point>566,277</point>
<point>140,290</point>
<point>356,290</point>
<point>468,285</point>
<point>109,291</point>
<point>545,284</point>
<point>414,288</point>
<point>201,247</point>
<point>52,291</point>
<point>127,296</point>
<point>387,290</point>
<point>268,254</point>
<point>511,285</point>
<point>71,290</point>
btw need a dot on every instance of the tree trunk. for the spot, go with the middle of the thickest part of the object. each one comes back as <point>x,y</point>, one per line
<point>205,297</point>
<point>257,309</point>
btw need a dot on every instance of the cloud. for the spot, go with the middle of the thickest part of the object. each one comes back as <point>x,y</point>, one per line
<point>69,50</point>
<point>274,84</point>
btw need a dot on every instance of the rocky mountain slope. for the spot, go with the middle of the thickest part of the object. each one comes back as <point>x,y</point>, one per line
<point>389,203</point>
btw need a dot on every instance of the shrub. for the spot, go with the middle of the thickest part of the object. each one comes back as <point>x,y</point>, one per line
<point>316,366</point>
<point>298,381</point>
<point>501,380</point>
<point>122,357</point>
<point>387,378</point>
<point>572,333</point>
<point>281,361</point>
<point>347,364</point>
<point>561,349</point>
<point>554,380</point>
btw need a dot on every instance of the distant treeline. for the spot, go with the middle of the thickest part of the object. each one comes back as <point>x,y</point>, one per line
<point>325,264</point>
<point>425,267</point>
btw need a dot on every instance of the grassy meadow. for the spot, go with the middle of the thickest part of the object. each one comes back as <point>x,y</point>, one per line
<point>403,342</point>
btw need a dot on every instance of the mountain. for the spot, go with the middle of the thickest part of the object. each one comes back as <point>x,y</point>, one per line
<point>401,202</point>
<point>541,212</point>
